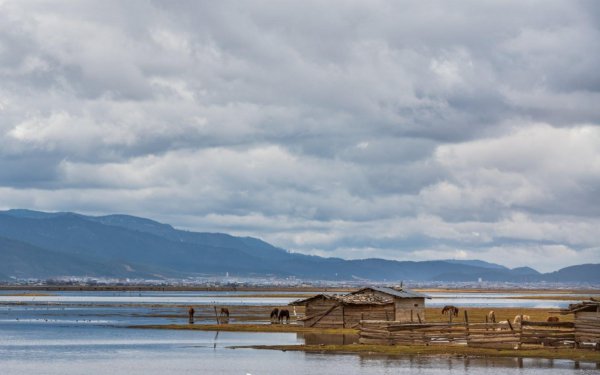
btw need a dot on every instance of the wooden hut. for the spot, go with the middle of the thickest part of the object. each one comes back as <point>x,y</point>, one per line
<point>587,322</point>
<point>371,303</point>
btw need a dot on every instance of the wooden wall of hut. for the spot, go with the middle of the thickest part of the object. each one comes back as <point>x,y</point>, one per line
<point>353,314</point>
<point>324,313</point>
<point>409,309</point>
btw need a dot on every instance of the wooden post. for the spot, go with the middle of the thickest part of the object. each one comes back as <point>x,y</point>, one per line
<point>521,333</point>
<point>466,327</point>
<point>216,315</point>
<point>411,316</point>
<point>419,317</point>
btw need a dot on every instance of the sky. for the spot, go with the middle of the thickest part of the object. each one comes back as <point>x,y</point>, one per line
<point>401,130</point>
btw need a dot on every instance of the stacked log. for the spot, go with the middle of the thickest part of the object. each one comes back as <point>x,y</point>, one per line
<point>587,331</point>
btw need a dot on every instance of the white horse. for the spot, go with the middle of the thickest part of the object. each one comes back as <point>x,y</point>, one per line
<point>517,319</point>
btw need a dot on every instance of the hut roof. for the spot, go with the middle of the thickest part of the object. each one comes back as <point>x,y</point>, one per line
<point>347,299</point>
<point>591,305</point>
<point>398,293</point>
<point>360,298</point>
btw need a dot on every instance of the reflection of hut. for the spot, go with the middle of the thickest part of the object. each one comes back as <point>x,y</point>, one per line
<point>372,303</point>
<point>587,321</point>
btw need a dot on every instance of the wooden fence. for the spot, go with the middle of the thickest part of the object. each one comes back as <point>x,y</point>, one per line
<point>493,335</point>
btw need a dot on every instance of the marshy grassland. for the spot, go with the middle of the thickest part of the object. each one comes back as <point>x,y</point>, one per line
<point>476,314</point>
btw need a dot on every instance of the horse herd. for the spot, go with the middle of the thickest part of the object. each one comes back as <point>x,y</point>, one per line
<point>452,311</point>
<point>280,316</point>
<point>277,315</point>
<point>283,316</point>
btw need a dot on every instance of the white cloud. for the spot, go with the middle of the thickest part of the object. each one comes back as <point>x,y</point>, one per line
<point>407,131</point>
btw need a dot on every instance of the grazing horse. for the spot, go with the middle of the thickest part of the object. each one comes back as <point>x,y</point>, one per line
<point>502,326</point>
<point>517,319</point>
<point>191,312</point>
<point>553,319</point>
<point>274,315</point>
<point>491,317</point>
<point>283,314</point>
<point>450,311</point>
<point>223,316</point>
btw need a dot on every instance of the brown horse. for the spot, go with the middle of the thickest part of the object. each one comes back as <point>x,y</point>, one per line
<point>450,311</point>
<point>224,312</point>
<point>553,319</point>
<point>191,312</point>
<point>283,314</point>
<point>274,315</point>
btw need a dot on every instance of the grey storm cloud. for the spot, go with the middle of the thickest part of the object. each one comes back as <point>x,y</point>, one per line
<point>404,130</point>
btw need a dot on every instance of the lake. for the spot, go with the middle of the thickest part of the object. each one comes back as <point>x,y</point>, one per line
<point>84,333</point>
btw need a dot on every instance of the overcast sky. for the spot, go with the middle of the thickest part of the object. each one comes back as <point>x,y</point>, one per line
<point>402,130</point>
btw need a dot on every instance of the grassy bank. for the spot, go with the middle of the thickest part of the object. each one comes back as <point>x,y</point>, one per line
<point>440,350</point>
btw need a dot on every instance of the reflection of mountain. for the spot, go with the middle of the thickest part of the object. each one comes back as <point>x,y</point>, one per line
<point>38,245</point>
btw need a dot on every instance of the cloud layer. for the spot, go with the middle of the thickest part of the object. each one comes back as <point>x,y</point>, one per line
<point>404,130</point>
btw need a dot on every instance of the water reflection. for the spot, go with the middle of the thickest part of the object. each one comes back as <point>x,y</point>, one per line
<point>327,339</point>
<point>475,364</point>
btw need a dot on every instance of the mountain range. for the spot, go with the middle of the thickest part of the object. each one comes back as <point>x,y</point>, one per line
<point>41,245</point>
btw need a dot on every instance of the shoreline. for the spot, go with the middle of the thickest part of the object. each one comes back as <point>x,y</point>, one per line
<point>263,328</point>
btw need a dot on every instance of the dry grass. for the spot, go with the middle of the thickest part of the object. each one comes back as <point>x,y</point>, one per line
<point>478,314</point>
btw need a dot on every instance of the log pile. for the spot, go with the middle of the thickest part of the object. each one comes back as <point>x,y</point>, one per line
<point>587,322</point>
<point>587,331</point>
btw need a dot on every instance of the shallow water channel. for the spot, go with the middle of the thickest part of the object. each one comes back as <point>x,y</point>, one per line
<point>85,333</point>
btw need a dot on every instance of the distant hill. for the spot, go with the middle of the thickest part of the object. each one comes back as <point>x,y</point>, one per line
<point>38,245</point>
<point>582,272</point>
<point>477,263</point>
